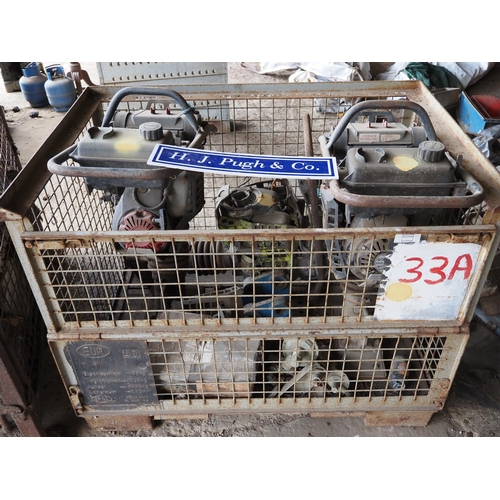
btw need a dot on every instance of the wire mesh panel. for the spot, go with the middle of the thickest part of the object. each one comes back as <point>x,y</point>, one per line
<point>21,325</point>
<point>196,374</point>
<point>258,278</point>
<point>10,165</point>
<point>299,367</point>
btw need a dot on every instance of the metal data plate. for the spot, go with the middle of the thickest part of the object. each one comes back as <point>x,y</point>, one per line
<point>112,375</point>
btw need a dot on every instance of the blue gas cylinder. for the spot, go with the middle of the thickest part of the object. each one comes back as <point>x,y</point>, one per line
<point>60,89</point>
<point>32,85</point>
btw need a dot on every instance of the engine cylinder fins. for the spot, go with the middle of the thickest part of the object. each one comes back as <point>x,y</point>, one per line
<point>204,257</point>
<point>368,256</point>
<point>211,257</point>
<point>175,257</point>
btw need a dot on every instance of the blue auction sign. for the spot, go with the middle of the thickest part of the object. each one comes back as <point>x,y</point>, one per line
<point>215,162</point>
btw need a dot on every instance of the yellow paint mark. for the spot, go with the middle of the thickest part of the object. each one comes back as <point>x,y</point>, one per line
<point>127,146</point>
<point>398,292</point>
<point>405,163</point>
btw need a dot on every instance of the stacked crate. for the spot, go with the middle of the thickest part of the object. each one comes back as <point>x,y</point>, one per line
<point>21,326</point>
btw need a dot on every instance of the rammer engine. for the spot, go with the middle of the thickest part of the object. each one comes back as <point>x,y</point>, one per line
<point>113,159</point>
<point>391,175</point>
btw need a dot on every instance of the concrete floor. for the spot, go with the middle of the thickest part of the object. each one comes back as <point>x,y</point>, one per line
<point>472,407</point>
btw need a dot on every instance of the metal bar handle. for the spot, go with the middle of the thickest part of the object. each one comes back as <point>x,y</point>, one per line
<point>188,110</point>
<point>358,108</point>
<point>55,166</point>
<point>403,202</point>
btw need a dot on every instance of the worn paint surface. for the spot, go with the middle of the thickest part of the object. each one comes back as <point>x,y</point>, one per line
<point>405,163</point>
<point>427,281</point>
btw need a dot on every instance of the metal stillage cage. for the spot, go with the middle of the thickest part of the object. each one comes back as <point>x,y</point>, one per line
<point>179,291</point>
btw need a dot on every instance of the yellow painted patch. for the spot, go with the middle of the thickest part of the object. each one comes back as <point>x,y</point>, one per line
<point>404,163</point>
<point>126,146</point>
<point>398,292</point>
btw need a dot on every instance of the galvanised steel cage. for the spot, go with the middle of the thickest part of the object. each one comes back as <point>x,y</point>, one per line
<point>232,316</point>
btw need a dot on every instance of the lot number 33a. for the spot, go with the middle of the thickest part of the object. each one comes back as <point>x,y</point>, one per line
<point>437,269</point>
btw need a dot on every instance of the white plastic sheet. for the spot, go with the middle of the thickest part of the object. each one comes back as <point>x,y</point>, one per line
<point>467,73</point>
<point>316,71</point>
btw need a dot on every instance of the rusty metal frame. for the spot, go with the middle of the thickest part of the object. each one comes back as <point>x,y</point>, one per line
<point>37,246</point>
<point>370,405</point>
<point>17,201</point>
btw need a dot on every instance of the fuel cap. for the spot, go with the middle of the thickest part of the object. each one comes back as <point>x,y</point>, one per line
<point>431,151</point>
<point>151,131</point>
